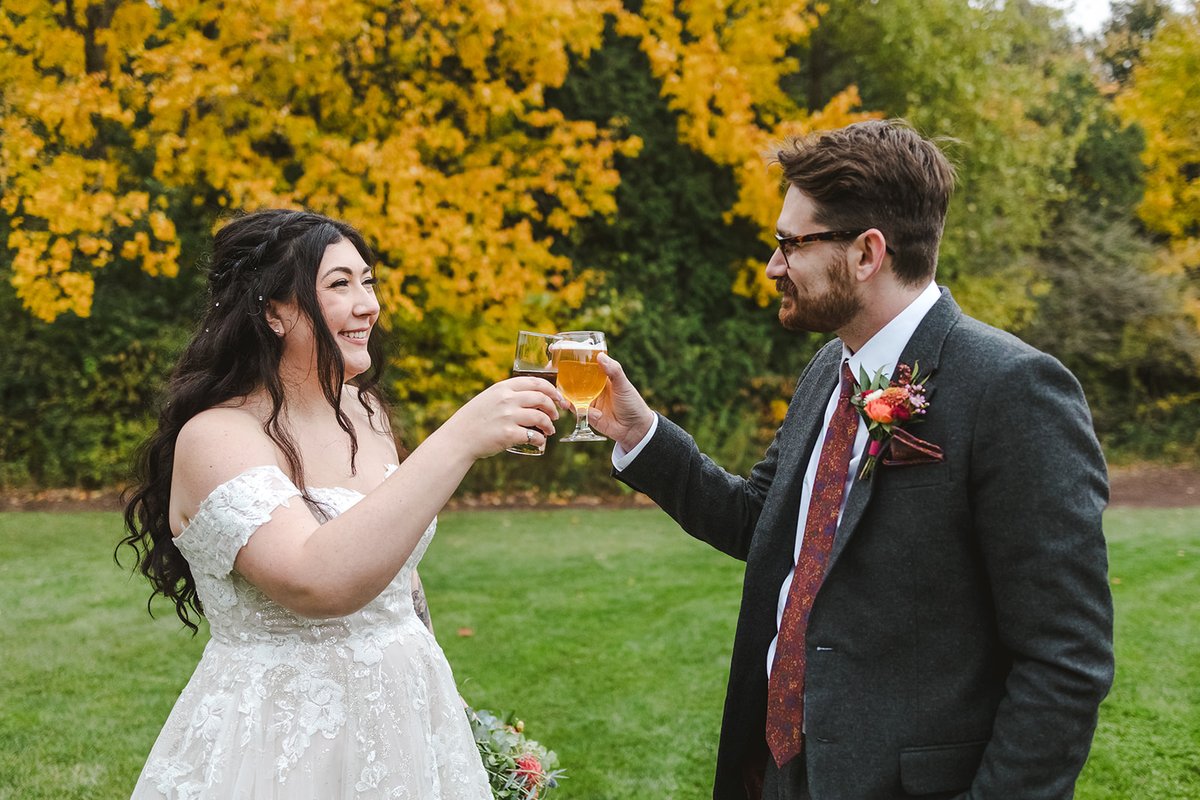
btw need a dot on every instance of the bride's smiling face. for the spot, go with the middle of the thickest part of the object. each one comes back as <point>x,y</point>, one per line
<point>345,290</point>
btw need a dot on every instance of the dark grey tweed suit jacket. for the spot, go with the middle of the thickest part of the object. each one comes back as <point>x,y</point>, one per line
<point>961,642</point>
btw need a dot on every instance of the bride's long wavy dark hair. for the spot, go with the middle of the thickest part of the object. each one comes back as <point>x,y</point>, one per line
<point>257,258</point>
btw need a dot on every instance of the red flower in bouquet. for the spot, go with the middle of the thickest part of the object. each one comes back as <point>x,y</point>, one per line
<point>886,404</point>
<point>529,771</point>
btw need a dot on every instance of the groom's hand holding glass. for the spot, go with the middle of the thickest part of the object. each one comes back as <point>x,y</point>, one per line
<point>620,413</point>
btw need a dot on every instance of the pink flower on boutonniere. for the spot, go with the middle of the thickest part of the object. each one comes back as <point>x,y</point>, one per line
<point>886,404</point>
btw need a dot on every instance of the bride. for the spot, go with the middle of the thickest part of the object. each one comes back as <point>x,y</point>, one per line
<point>270,501</point>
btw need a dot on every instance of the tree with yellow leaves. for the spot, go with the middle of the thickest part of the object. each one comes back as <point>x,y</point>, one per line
<point>72,188</point>
<point>1163,97</point>
<point>723,67</point>
<point>424,123</point>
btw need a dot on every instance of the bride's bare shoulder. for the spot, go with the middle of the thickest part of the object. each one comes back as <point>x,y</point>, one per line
<point>218,444</point>
<point>221,422</point>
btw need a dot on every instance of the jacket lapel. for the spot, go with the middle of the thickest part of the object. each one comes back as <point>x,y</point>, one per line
<point>815,387</point>
<point>924,347</point>
<point>777,527</point>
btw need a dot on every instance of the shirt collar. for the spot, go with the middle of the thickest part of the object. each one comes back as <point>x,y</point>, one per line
<point>882,351</point>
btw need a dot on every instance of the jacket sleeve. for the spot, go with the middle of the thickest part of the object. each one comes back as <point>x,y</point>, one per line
<point>1038,487</point>
<point>709,503</point>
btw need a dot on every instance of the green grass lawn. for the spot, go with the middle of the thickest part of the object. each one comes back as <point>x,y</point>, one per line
<point>608,631</point>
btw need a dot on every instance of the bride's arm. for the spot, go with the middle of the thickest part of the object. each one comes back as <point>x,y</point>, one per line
<point>335,568</point>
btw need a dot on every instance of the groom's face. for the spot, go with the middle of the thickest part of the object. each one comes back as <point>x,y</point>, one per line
<point>816,290</point>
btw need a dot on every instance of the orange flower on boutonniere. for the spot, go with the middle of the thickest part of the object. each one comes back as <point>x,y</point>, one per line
<point>887,404</point>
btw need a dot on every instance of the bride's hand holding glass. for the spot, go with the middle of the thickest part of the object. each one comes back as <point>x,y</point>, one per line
<point>533,359</point>
<point>511,412</point>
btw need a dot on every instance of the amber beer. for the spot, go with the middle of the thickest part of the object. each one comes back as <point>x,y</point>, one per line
<point>581,379</point>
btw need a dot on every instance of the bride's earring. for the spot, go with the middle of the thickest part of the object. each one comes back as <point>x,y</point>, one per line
<point>275,320</point>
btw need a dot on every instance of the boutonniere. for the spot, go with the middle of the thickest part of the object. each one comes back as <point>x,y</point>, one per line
<point>886,405</point>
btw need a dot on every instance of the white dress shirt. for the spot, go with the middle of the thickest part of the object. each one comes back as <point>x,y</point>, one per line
<point>881,352</point>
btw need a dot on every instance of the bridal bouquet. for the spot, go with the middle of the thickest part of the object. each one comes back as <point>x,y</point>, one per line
<point>518,768</point>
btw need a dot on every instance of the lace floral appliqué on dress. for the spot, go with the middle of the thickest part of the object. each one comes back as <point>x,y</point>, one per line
<point>283,706</point>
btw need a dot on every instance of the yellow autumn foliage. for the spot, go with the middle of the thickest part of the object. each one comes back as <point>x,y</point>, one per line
<point>423,123</point>
<point>722,66</point>
<point>69,193</point>
<point>1163,97</point>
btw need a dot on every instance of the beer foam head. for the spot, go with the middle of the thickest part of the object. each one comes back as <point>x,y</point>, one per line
<point>564,344</point>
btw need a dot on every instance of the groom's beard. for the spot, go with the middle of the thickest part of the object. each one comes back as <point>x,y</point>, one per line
<point>801,310</point>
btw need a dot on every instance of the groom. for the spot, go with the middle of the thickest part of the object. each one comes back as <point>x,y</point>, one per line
<point>942,627</point>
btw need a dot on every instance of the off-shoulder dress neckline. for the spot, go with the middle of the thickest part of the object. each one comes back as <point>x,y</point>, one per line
<point>269,468</point>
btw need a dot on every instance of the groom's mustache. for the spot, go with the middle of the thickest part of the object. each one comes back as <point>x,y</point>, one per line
<point>784,285</point>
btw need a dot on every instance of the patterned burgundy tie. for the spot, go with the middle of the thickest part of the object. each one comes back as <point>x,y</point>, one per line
<point>785,690</point>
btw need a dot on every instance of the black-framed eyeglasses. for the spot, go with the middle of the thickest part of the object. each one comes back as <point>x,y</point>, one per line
<point>791,244</point>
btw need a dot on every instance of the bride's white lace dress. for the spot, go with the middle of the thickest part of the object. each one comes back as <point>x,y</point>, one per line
<point>283,706</point>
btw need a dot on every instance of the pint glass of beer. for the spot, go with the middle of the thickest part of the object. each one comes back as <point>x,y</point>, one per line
<point>533,359</point>
<point>581,379</point>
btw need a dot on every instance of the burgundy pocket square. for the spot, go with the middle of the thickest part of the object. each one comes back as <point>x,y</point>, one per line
<point>906,449</point>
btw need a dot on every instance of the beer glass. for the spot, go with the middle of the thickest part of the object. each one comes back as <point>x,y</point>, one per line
<point>581,379</point>
<point>533,359</point>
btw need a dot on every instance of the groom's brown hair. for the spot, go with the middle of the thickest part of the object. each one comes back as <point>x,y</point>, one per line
<point>877,174</point>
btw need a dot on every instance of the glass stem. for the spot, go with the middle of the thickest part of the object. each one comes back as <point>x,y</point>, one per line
<point>581,418</point>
